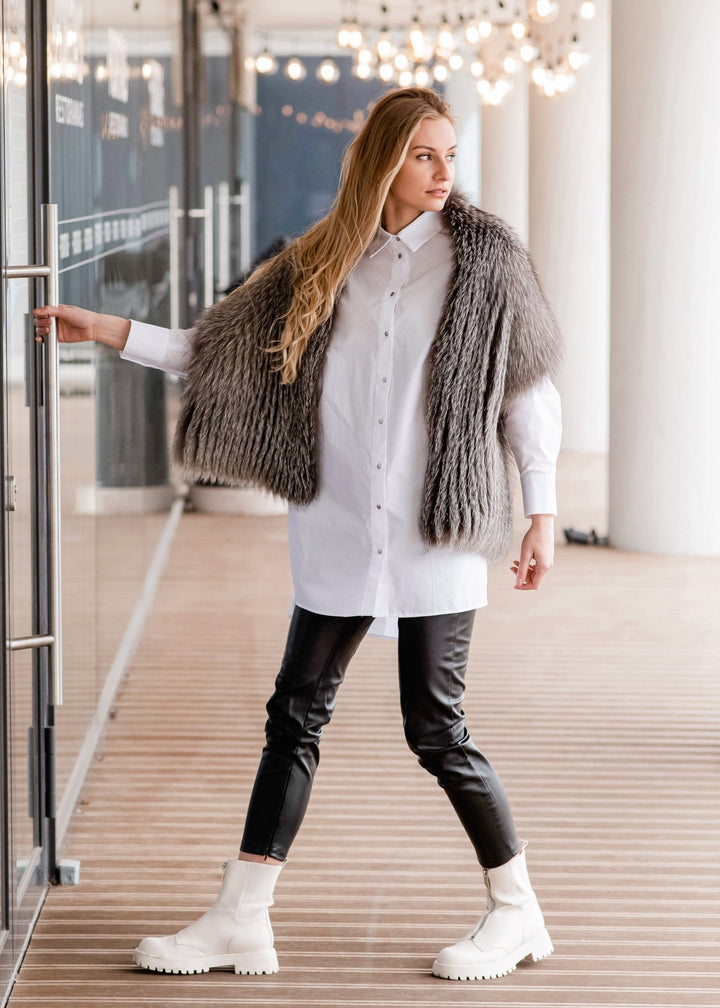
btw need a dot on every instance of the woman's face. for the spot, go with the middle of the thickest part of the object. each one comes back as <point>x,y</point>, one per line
<point>426,176</point>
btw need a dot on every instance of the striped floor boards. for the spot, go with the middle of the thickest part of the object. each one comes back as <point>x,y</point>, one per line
<point>597,699</point>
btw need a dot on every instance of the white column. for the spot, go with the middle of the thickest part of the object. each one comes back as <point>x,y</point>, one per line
<point>462,96</point>
<point>505,157</point>
<point>569,231</point>
<point>665,397</point>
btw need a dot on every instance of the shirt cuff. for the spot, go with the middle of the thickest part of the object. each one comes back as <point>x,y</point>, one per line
<point>146,344</point>
<point>538,492</point>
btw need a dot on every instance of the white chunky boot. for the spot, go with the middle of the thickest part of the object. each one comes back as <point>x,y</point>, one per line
<point>235,931</point>
<point>511,929</point>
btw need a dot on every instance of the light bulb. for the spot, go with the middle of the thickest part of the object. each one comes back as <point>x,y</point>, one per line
<point>445,37</point>
<point>440,72</point>
<point>577,58</point>
<point>147,71</point>
<point>328,71</point>
<point>386,72</point>
<point>477,68</point>
<point>538,75</point>
<point>549,88</point>
<point>518,30</point>
<point>343,36</point>
<point>587,10</point>
<point>405,78</point>
<point>385,48</point>
<point>483,87</point>
<point>295,69</point>
<point>402,61</point>
<point>416,40</point>
<point>510,64</point>
<point>528,52</point>
<point>544,10</point>
<point>15,48</point>
<point>455,61</point>
<point>362,71</point>
<point>485,28</point>
<point>355,39</point>
<point>364,56</point>
<point>422,76</point>
<point>266,62</point>
<point>564,81</point>
<point>472,34</point>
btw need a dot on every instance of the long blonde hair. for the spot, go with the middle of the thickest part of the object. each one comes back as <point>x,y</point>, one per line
<point>323,257</point>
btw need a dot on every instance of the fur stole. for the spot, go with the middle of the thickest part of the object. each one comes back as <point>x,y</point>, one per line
<point>496,337</point>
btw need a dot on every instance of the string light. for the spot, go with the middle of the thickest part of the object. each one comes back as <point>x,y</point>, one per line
<point>295,69</point>
<point>437,40</point>
<point>328,71</point>
<point>266,63</point>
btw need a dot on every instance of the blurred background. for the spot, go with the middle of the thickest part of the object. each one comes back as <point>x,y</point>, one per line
<point>179,139</point>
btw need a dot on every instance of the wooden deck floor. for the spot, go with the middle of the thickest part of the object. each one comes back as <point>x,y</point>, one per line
<point>597,700</point>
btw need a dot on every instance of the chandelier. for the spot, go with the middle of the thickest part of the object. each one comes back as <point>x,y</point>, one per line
<point>492,40</point>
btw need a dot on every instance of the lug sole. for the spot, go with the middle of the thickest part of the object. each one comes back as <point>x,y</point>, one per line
<point>536,949</point>
<point>247,964</point>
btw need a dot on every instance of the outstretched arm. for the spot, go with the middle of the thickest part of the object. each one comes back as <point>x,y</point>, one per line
<point>78,325</point>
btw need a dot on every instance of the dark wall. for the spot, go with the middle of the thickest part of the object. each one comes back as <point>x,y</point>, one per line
<point>297,166</point>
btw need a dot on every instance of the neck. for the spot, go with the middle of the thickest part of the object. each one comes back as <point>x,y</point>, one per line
<point>394,219</point>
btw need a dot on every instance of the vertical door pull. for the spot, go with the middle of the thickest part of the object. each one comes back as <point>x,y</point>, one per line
<point>49,271</point>
<point>206,213</point>
<point>174,238</point>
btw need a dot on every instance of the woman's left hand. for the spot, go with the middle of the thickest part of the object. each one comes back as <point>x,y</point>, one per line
<point>536,553</point>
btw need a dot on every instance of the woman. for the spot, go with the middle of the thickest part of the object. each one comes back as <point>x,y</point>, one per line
<point>375,373</point>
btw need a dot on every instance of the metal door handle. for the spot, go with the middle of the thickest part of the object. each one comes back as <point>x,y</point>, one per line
<point>206,213</point>
<point>49,270</point>
<point>174,238</point>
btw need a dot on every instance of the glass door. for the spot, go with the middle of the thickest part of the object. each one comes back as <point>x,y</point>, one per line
<point>29,561</point>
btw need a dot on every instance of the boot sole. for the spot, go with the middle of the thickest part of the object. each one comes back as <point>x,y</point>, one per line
<point>536,949</point>
<point>247,964</point>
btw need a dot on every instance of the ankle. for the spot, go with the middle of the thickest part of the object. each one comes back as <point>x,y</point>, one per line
<point>259,859</point>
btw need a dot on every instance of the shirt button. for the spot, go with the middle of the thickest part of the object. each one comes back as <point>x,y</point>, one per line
<point>387,334</point>
<point>380,420</point>
<point>399,255</point>
<point>379,552</point>
<point>379,466</point>
<point>392,293</point>
<point>384,379</point>
<point>379,507</point>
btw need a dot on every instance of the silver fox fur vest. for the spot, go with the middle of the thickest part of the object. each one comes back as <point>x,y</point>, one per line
<point>496,337</point>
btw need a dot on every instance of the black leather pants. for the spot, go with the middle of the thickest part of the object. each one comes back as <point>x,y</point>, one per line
<point>433,652</point>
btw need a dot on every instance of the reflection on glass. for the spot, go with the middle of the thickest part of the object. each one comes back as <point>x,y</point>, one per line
<point>115,149</point>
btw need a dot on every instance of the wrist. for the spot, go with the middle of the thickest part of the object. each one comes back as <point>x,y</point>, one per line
<point>112,331</point>
<point>542,520</point>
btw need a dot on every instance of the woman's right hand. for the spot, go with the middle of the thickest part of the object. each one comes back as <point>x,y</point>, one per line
<point>78,325</point>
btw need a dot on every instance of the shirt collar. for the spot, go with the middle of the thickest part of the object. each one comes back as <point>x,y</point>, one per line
<point>419,231</point>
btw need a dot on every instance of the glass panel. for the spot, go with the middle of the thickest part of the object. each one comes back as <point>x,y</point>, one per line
<point>115,149</point>
<point>17,345</point>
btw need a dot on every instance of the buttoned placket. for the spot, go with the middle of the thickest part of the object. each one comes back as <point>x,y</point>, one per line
<point>398,269</point>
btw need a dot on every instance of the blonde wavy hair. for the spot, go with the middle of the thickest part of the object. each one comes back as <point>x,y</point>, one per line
<point>322,259</point>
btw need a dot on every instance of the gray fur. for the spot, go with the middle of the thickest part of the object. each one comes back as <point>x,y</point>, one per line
<point>496,337</point>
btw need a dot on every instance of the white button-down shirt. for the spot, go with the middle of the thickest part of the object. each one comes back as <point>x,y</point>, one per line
<point>356,549</point>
